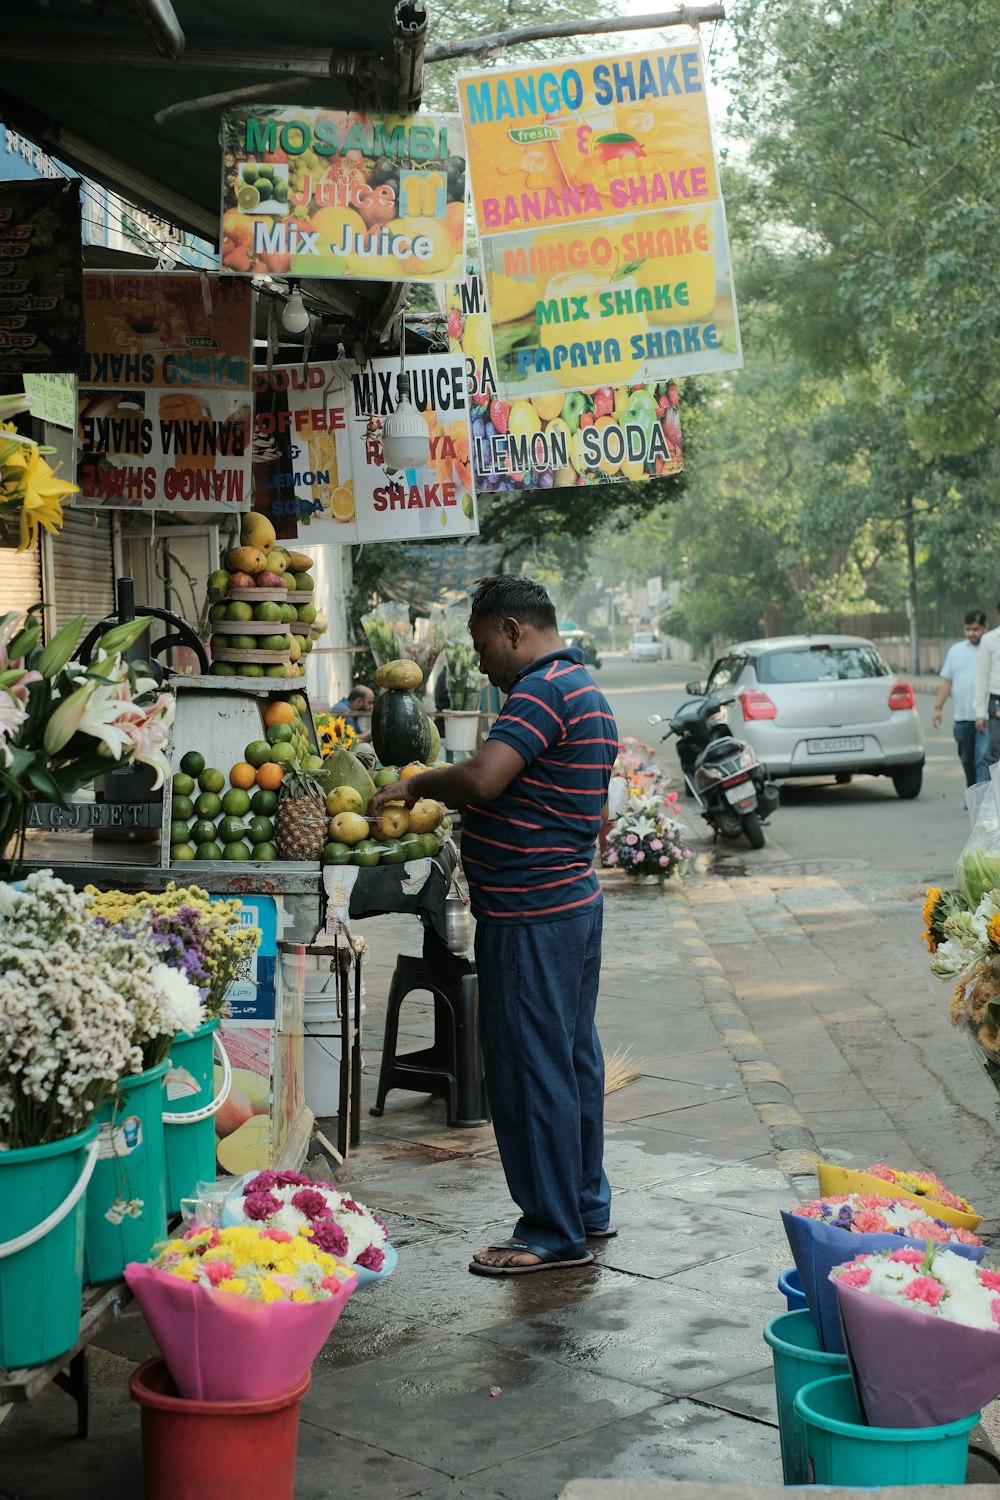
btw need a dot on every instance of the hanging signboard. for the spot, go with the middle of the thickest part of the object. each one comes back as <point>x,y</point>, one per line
<point>344,490</point>
<point>317,192</point>
<point>601,221</point>
<point>41,311</point>
<point>164,406</point>
<point>608,435</point>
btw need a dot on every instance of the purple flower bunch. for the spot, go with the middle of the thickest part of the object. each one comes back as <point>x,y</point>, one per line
<point>183,941</point>
<point>644,844</point>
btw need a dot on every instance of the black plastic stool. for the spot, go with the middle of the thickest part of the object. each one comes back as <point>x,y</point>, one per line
<point>453,1066</point>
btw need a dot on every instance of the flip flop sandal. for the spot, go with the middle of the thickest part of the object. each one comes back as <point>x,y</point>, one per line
<point>601,1234</point>
<point>548,1260</point>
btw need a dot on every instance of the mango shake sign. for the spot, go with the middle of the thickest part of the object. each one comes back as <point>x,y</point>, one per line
<point>601,221</point>
<point>317,192</point>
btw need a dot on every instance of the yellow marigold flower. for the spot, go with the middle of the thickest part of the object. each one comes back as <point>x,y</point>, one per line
<point>301,1294</point>
<point>233,1284</point>
<point>930,902</point>
<point>993,930</point>
<point>269,1291</point>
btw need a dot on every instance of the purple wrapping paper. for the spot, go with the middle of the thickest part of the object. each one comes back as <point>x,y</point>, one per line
<point>818,1247</point>
<point>914,1369</point>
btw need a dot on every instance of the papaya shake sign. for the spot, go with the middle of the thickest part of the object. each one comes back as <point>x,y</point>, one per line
<point>601,221</point>
<point>163,404</point>
<point>316,192</point>
<point>345,491</point>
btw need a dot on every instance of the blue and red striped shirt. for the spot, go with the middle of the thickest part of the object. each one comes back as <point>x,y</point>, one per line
<point>529,854</point>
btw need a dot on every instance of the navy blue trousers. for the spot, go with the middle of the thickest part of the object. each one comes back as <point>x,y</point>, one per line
<point>545,1072</point>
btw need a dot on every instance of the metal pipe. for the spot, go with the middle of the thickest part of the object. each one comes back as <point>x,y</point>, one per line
<point>313,62</point>
<point>160,20</point>
<point>409,42</point>
<point>687,15</point>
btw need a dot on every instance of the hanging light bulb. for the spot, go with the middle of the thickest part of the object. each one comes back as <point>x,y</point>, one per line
<point>405,438</point>
<point>294,318</point>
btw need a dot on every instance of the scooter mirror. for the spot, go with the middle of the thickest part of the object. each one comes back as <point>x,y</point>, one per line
<point>694,688</point>
<point>655,719</point>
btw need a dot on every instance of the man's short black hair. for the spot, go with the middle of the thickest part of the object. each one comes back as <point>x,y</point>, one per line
<point>358,695</point>
<point>511,596</point>
<point>977,616</point>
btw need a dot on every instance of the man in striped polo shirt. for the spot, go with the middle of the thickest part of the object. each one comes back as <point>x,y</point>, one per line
<point>533,800</point>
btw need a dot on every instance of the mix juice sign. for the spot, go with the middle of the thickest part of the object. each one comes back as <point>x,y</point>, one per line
<point>317,192</point>
<point>163,405</point>
<point>601,221</point>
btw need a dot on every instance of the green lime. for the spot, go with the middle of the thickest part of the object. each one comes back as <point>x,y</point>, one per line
<point>386,775</point>
<point>183,807</point>
<point>181,851</point>
<point>247,199</point>
<point>231,829</point>
<point>235,643</point>
<point>413,844</point>
<point>273,643</point>
<point>265,851</point>
<point>249,172</point>
<point>283,755</point>
<point>208,805</point>
<point>264,803</point>
<point>268,610</point>
<point>336,854</point>
<point>236,850</point>
<point>217,611</point>
<point>279,734</point>
<point>260,830</point>
<point>203,832</point>
<point>394,853</point>
<point>250,669</point>
<point>211,850</point>
<point>178,831</point>
<point>183,785</point>
<point>211,780</point>
<point>280,190</point>
<point>287,613</point>
<point>367,853</point>
<point>428,844</point>
<point>222,669</point>
<point>239,610</point>
<point>192,763</point>
<point>258,752</point>
<point>236,801</point>
<point>277,669</point>
<point>312,763</point>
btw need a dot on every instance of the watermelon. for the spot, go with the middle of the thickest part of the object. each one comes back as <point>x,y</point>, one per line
<point>401,730</point>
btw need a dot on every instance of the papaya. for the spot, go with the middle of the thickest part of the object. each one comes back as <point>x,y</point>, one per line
<point>399,674</point>
<point>341,768</point>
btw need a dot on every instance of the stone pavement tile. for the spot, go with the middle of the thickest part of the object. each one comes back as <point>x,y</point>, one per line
<point>735,1140</point>
<point>636,1155</point>
<point>672,1338</point>
<point>334,1466</point>
<point>752,1271</point>
<point>434,1405</point>
<point>761,1190</point>
<point>850,1150</point>
<point>713,1066</point>
<point>861,1120</point>
<point>751,1396</point>
<point>650,1095</point>
<point>660,1236</point>
<point>717,1117</point>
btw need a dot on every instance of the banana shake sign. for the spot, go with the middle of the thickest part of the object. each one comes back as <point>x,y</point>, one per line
<point>317,192</point>
<point>601,221</point>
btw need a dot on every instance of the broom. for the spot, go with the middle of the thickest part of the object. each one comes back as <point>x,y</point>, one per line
<point>619,1070</point>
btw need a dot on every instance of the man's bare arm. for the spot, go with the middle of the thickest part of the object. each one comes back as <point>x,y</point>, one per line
<point>481,778</point>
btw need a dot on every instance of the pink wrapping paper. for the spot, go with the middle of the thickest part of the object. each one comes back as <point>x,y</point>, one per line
<point>221,1347</point>
<point>913,1369</point>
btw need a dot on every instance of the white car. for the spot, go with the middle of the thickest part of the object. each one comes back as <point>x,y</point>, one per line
<point>645,646</point>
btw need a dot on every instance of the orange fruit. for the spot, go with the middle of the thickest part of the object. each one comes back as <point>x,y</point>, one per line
<point>243,774</point>
<point>279,713</point>
<point>269,776</point>
<point>413,769</point>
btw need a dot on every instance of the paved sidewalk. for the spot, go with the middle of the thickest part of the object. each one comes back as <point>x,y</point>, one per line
<point>438,1384</point>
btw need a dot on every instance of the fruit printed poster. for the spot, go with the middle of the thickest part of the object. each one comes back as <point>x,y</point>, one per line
<point>345,490</point>
<point>605,436</point>
<point>164,404</point>
<point>601,222</point>
<point>318,192</point>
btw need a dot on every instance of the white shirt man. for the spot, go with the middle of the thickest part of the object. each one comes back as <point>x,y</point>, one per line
<point>958,677</point>
<point>987,699</point>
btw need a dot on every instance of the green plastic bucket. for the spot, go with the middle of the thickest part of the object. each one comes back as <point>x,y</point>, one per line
<point>798,1359</point>
<point>130,1165</point>
<point>42,1195</point>
<point>189,1115</point>
<point>844,1451</point>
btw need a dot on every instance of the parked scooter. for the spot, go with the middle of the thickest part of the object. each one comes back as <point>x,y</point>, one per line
<point>722,773</point>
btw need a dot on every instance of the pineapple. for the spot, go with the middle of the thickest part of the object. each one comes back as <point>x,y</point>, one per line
<point>301,821</point>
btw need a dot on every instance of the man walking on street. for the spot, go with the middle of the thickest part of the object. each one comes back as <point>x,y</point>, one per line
<point>987,699</point>
<point>958,677</point>
<point>533,800</point>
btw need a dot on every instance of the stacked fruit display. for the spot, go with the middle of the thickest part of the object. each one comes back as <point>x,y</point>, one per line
<point>261,612</point>
<point>256,816</point>
<point>395,835</point>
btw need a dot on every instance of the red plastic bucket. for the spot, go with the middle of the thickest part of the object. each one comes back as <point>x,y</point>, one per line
<point>231,1450</point>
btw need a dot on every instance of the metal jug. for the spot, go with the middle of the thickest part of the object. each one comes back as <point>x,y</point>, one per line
<point>457,922</point>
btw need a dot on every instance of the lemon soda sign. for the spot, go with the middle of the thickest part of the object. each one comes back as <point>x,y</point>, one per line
<point>601,221</point>
<point>317,192</point>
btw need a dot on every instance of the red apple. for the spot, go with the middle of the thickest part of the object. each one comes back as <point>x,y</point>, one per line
<point>241,580</point>
<point>269,580</point>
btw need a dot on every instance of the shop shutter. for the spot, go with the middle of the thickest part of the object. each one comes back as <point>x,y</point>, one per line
<point>20,579</point>
<point>83,568</point>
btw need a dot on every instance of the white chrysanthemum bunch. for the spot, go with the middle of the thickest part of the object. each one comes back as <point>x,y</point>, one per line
<point>82,1004</point>
<point>935,1281</point>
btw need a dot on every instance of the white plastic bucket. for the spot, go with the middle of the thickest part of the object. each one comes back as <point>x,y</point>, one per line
<point>460,731</point>
<point>321,1051</point>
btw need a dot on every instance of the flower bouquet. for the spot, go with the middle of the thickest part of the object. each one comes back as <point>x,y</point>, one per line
<point>334,730</point>
<point>647,839</point>
<point>240,1314</point>
<point>827,1231</point>
<point>922,1329</point>
<point>332,1219</point>
<point>919,1187</point>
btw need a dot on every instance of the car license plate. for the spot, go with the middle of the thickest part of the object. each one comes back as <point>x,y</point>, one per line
<point>835,747</point>
<point>740,792</point>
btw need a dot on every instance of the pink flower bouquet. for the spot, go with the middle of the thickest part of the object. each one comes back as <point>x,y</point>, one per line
<point>828,1231</point>
<point>923,1334</point>
<point>920,1187</point>
<point>330,1218</point>
<point>240,1314</point>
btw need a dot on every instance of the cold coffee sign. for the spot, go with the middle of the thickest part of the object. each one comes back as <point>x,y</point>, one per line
<point>41,315</point>
<point>163,410</point>
<point>310,192</point>
<point>601,221</point>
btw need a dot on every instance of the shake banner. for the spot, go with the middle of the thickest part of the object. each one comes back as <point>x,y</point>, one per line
<point>164,407</point>
<point>601,221</point>
<point>41,298</point>
<point>317,192</point>
<point>606,436</point>
<point>344,490</point>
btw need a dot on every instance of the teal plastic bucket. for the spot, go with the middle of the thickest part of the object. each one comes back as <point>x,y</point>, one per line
<point>189,1111</point>
<point>790,1288</point>
<point>844,1451</point>
<point>130,1166</point>
<point>798,1360</point>
<point>42,1208</point>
